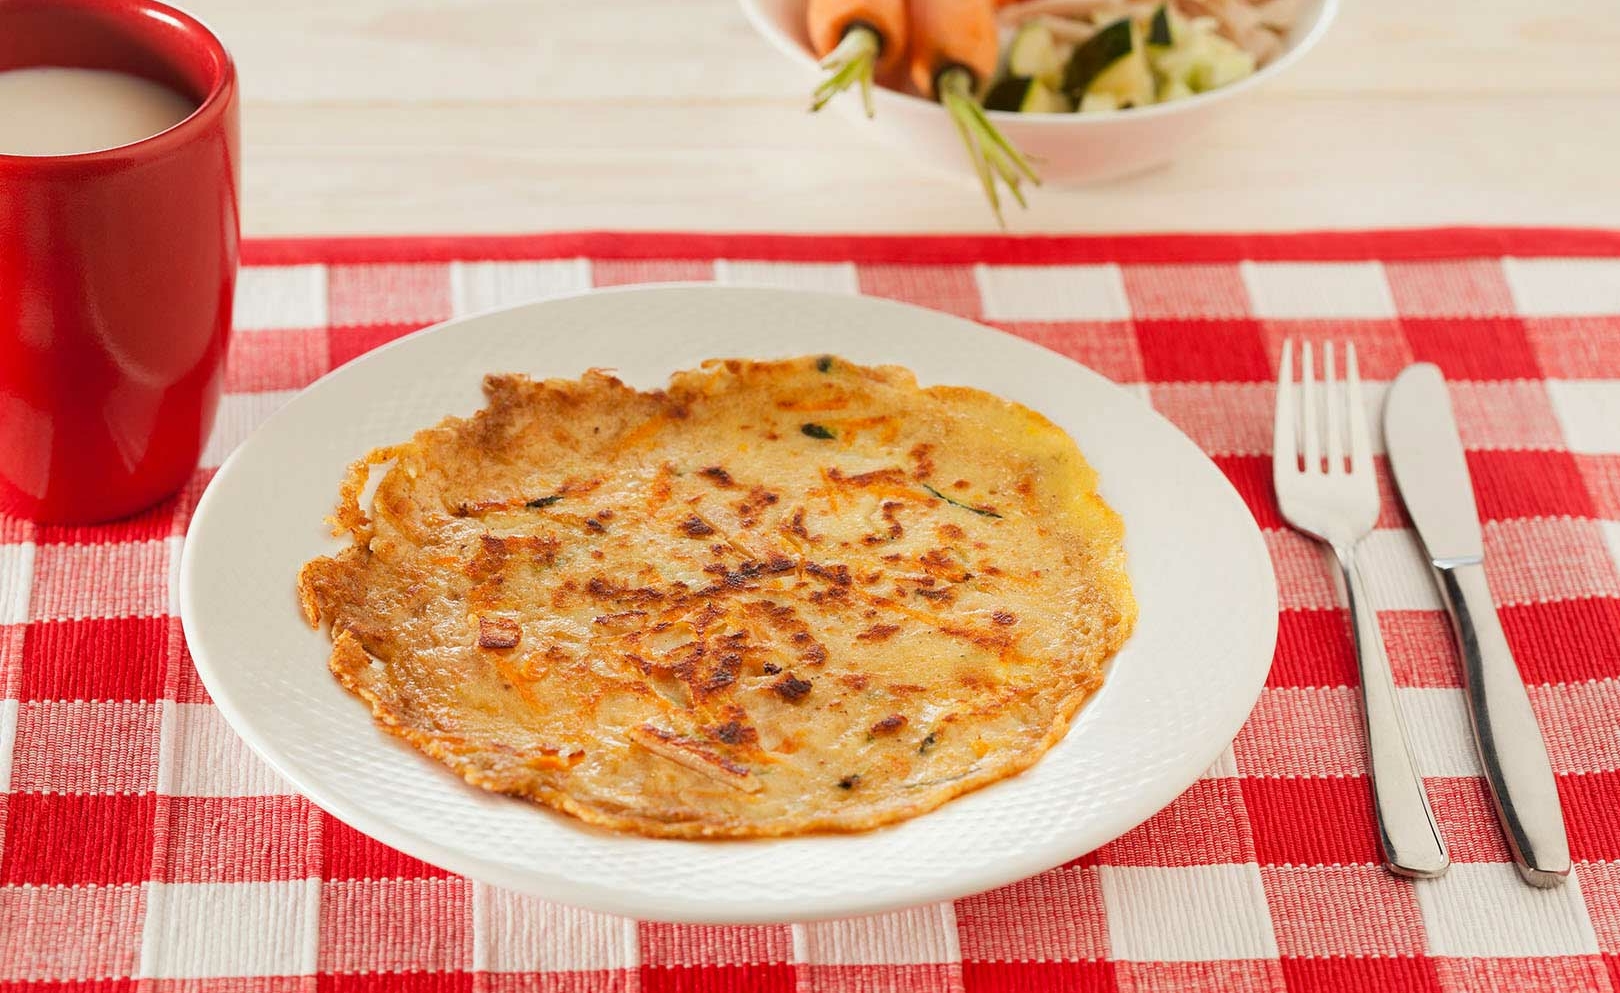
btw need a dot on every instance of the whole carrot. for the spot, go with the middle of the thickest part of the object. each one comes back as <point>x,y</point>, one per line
<point>954,48</point>
<point>855,39</point>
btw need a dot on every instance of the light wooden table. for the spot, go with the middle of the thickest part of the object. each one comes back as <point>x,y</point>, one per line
<point>532,115</point>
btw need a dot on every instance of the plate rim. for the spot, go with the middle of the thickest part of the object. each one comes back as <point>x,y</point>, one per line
<point>587,894</point>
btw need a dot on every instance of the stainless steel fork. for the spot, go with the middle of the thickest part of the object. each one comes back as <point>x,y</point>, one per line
<point>1325,486</point>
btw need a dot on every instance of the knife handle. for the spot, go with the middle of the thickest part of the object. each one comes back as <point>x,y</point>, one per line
<point>1407,831</point>
<point>1510,744</point>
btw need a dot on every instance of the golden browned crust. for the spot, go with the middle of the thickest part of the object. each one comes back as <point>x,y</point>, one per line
<point>775,598</point>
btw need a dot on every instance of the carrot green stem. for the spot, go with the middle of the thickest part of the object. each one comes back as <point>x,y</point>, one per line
<point>1007,171</point>
<point>961,117</point>
<point>851,62</point>
<point>998,140</point>
<point>992,155</point>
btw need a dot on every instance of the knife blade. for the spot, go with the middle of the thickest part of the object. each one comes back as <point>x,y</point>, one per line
<point>1426,455</point>
<point>1431,472</point>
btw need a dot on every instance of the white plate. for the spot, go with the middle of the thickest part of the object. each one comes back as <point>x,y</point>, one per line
<point>1174,698</point>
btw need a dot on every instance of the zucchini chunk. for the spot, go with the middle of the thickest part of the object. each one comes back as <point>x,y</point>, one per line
<point>1112,62</point>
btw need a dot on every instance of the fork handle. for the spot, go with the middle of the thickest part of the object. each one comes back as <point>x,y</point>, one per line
<point>1510,743</point>
<point>1407,830</point>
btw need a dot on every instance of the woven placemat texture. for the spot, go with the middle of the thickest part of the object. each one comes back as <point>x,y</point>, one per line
<point>143,847</point>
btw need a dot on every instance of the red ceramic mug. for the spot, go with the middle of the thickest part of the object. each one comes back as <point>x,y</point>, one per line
<point>117,271</point>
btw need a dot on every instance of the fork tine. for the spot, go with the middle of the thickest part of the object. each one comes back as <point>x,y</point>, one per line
<point>1331,400</point>
<point>1360,443</point>
<point>1284,456</point>
<point>1307,402</point>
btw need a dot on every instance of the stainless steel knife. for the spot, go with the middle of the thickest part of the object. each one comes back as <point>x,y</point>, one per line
<point>1432,474</point>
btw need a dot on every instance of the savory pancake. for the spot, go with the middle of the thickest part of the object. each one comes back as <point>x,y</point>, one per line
<point>774,598</point>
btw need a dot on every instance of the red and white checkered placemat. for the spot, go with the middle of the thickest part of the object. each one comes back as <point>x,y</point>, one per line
<point>143,847</point>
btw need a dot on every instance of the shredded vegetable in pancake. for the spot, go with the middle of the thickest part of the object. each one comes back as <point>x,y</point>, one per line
<point>774,598</point>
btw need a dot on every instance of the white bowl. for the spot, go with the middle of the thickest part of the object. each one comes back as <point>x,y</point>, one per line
<point>1071,148</point>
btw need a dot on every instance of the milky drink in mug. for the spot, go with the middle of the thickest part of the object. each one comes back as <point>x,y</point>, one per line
<point>65,110</point>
